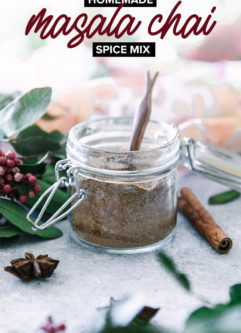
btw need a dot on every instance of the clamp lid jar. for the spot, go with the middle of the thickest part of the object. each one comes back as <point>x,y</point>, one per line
<point>123,201</point>
<point>131,196</point>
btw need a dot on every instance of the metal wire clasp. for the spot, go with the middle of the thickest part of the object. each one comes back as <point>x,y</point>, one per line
<point>212,162</point>
<point>61,182</point>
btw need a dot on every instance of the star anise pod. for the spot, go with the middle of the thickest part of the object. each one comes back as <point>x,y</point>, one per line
<point>30,267</point>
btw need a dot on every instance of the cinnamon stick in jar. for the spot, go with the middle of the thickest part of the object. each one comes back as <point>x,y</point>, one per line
<point>203,222</point>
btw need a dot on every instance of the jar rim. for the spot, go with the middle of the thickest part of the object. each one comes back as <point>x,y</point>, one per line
<point>115,133</point>
<point>72,136</point>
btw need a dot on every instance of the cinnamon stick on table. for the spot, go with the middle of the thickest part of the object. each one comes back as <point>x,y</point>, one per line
<point>203,222</point>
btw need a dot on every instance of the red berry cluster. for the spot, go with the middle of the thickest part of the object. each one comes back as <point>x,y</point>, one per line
<point>51,328</point>
<point>11,177</point>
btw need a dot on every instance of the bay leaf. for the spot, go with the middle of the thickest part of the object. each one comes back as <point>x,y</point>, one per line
<point>57,201</point>
<point>5,99</point>
<point>34,141</point>
<point>224,197</point>
<point>169,264</point>
<point>25,110</point>
<point>8,231</point>
<point>221,318</point>
<point>16,215</point>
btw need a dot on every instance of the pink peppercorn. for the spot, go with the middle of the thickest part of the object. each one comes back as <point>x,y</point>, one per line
<point>31,194</point>
<point>10,163</point>
<point>16,169</point>
<point>32,180</point>
<point>9,178</point>
<point>62,327</point>
<point>23,199</point>
<point>2,171</point>
<point>18,177</point>
<point>6,189</point>
<point>37,189</point>
<point>18,161</point>
<point>11,155</point>
<point>3,160</point>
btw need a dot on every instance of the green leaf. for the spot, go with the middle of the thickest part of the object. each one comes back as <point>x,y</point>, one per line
<point>60,154</point>
<point>224,197</point>
<point>235,294</point>
<point>5,99</point>
<point>49,175</point>
<point>8,230</point>
<point>227,321</point>
<point>36,168</point>
<point>25,110</point>
<point>16,215</point>
<point>171,267</point>
<point>2,134</point>
<point>57,201</point>
<point>205,313</point>
<point>48,116</point>
<point>220,319</point>
<point>34,141</point>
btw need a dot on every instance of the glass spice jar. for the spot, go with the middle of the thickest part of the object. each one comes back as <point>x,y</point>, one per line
<point>124,201</point>
<point>131,196</point>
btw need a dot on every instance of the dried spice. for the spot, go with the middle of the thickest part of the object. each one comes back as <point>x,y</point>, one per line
<point>202,221</point>
<point>127,315</point>
<point>30,267</point>
<point>126,215</point>
<point>145,315</point>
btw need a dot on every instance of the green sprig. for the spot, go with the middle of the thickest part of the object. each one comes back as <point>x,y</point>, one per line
<point>224,197</point>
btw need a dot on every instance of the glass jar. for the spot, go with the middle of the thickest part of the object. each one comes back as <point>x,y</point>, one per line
<point>124,201</point>
<point>131,196</point>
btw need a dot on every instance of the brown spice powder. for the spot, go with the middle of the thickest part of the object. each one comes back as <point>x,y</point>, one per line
<point>126,215</point>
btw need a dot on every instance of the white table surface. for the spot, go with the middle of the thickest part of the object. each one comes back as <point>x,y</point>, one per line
<point>85,280</point>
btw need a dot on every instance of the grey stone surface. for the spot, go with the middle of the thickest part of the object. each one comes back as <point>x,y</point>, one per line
<point>85,280</point>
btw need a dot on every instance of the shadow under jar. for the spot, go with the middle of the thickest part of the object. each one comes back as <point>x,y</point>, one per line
<point>131,203</point>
